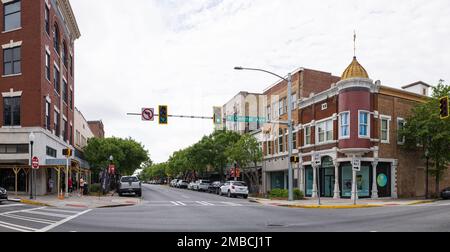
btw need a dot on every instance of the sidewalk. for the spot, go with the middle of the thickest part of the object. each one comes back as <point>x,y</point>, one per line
<point>76,201</point>
<point>339,203</point>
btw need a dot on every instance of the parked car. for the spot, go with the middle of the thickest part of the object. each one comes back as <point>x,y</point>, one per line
<point>3,195</point>
<point>445,194</point>
<point>234,188</point>
<point>130,184</point>
<point>214,187</point>
<point>203,185</point>
<point>190,186</point>
<point>182,184</point>
<point>174,182</point>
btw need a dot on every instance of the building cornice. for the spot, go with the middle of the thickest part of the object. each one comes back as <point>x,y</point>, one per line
<point>66,8</point>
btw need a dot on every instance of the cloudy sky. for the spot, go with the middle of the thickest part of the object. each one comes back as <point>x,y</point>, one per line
<point>181,53</point>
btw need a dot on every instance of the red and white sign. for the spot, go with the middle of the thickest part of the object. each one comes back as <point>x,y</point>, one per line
<point>148,114</point>
<point>112,169</point>
<point>35,163</point>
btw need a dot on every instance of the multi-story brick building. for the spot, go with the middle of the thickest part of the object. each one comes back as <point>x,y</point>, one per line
<point>37,87</point>
<point>350,117</point>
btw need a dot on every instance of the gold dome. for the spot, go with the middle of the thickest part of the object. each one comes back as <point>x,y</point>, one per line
<point>355,70</point>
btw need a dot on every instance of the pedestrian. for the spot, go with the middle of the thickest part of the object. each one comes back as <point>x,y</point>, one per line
<point>70,183</point>
<point>81,186</point>
<point>50,185</point>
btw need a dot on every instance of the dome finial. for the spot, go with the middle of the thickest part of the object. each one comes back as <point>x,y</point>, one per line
<point>354,43</point>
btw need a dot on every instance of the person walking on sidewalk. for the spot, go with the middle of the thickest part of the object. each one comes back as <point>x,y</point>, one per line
<point>70,183</point>
<point>81,186</point>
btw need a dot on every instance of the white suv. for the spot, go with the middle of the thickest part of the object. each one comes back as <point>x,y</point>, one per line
<point>234,188</point>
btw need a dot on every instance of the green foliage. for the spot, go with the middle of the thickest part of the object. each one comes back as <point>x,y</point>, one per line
<point>127,153</point>
<point>95,188</point>
<point>245,151</point>
<point>284,194</point>
<point>425,130</point>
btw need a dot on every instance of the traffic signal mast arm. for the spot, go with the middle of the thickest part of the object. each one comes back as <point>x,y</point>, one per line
<point>177,116</point>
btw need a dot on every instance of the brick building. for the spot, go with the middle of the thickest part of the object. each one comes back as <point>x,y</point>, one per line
<point>37,90</point>
<point>97,128</point>
<point>346,118</point>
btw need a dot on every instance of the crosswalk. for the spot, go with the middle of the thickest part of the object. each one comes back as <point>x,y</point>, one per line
<point>195,204</point>
<point>22,218</point>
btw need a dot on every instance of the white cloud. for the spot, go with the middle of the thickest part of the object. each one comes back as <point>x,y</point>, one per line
<point>181,53</point>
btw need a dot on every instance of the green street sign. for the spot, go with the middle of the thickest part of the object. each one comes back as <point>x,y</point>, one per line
<point>246,119</point>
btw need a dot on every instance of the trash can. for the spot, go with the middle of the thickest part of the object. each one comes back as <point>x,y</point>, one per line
<point>86,189</point>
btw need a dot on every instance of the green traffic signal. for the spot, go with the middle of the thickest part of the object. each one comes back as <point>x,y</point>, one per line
<point>444,107</point>
<point>163,115</point>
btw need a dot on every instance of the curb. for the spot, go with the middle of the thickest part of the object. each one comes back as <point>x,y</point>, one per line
<point>32,202</point>
<point>331,207</point>
<point>118,205</point>
<point>422,202</point>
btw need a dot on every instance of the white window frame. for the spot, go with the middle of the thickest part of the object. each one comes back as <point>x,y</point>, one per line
<point>325,122</point>
<point>388,135</point>
<point>294,101</point>
<point>348,125</point>
<point>305,136</point>
<point>400,119</point>
<point>368,124</point>
<point>269,113</point>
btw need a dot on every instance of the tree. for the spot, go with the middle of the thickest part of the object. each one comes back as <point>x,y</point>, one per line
<point>425,128</point>
<point>245,152</point>
<point>222,140</point>
<point>127,153</point>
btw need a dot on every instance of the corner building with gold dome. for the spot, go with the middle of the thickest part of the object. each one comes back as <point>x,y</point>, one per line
<point>354,118</point>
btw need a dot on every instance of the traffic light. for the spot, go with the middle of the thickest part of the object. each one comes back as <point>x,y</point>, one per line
<point>163,116</point>
<point>444,107</point>
<point>67,152</point>
<point>217,118</point>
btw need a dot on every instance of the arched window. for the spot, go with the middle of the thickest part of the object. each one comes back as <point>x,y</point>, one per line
<point>64,54</point>
<point>56,38</point>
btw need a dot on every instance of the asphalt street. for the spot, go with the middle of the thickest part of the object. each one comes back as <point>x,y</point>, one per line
<point>165,209</point>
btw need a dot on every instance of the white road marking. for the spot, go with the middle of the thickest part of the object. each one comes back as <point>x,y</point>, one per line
<point>48,214</point>
<point>19,217</point>
<point>205,203</point>
<point>12,205</point>
<point>16,227</point>
<point>60,210</point>
<point>230,203</point>
<point>21,211</point>
<point>175,203</point>
<point>62,221</point>
<point>181,203</point>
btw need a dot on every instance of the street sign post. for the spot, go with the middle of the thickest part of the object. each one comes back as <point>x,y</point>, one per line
<point>148,114</point>
<point>317,159</point>
<point>35,163</point>
<point>356,164</point>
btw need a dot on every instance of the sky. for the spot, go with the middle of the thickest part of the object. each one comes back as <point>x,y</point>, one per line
<point>143,53</point>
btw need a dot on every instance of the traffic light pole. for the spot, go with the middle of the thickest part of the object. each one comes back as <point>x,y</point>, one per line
<point>176,116</point>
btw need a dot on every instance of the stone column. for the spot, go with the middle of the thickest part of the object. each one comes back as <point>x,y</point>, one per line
<point>374,180</point>
<point>394,188</point>
<point>314,190</point>
<point>337,192</point>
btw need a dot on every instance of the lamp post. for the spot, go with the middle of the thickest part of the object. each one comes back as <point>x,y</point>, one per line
<point>289,124</point>
<point>31,137</point>
<point>427,156</point>
<point>111,159</point>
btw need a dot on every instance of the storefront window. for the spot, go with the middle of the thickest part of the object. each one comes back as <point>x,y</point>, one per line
<point>277,180</point>
<point>309,181</point>
<point>362,181</point>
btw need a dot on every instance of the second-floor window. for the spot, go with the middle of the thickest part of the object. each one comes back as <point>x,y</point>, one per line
<point>364,126</point>
<point>11,111</point>
<point>294,141</point>
<point>400,125</point>
<point>280,141</point>
<point>308,135</point>
<point>57,125</point>
<point>324,131</point>
<point>384,130</point>
<point>269,113</point>
<point>12,61</point>
<point>345,125</point>
<point>12,16</point>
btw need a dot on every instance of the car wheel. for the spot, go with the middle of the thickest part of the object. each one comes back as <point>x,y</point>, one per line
<point>245,196</point>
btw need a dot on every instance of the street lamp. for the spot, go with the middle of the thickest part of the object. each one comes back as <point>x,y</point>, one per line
<point>289,123</point>
<point>427,156</point>
<point>31,138</point>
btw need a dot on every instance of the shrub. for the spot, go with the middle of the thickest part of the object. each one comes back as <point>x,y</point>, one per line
<point>298,194</point>
<point>95,188</point>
